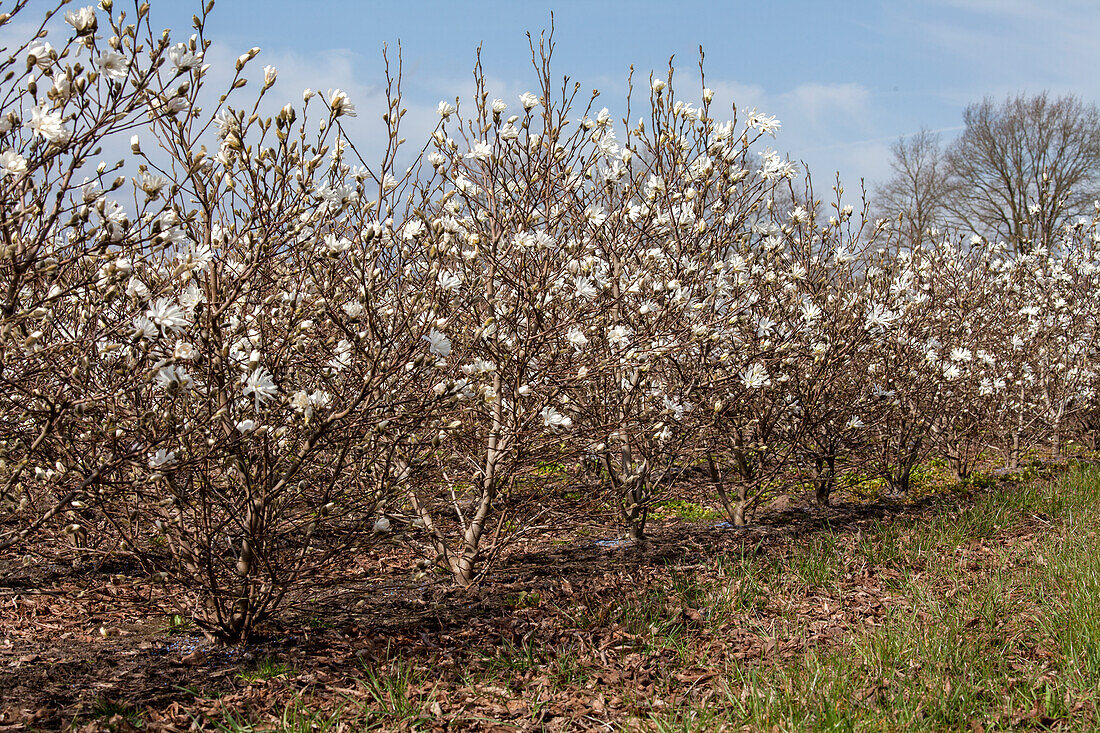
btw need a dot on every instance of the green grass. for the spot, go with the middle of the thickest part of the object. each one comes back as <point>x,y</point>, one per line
<point>393,701</point>
<point>746,585</point>
<point>296,718</point>
<point>116,714</point>
<point>815,563</point>
<point>268,669</point>
<point>511,658</point>
<point>1017,646</point>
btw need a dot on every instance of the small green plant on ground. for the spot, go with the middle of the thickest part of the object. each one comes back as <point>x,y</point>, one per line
<point>550,469</point>
<point>177,623</point>
<point>393,700</point>
<point>116,714</point>
<point>523,599</point>
<point>268,669</point>
<point>689,511</point>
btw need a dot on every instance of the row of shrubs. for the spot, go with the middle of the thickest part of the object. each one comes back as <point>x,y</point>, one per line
<point>242,352</point>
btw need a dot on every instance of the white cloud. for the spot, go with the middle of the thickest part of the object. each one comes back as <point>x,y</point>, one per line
<point>820,103</point>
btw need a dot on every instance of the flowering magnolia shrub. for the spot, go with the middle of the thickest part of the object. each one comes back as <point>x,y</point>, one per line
<point>222,375</point>
<point>241,352</point>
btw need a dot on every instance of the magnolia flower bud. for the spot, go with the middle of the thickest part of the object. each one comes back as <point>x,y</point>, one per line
<point>244,58</point>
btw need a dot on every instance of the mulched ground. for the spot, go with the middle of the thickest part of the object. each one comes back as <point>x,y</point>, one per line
<point>79,648</point>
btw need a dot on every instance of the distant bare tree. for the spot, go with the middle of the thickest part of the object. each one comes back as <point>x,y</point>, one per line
<point>918,188</point>
<point>1024,167</point>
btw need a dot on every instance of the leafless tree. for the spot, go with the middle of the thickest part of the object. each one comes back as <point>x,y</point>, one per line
<point>1025,167</point>
<point>918,189</point>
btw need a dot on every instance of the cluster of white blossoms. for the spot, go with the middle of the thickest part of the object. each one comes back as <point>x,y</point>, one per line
<point>235,348</point>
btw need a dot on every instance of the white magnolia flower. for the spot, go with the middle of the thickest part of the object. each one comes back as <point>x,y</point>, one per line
<point>12,163</point>
<point>336,245</point>
<point>82,20</point>
<point>382,525</point>
<point>174,378</point>
<point>113,65</point>
<point>576,337</point>
<point>63,86</point>
<point>40,54</point>
<point>340,104</point>
<point>595,215</point>
<point>480,151</point>
<point>810,312</point>
<point>449,281</point>
<point>306,403</point>
<point>551,418</point>
<point>413,229</point>
<point>438,344</point>
<point>182,59</point>
<point>445,109</point>
<point>196,257</point>
<point>479,366</point>
<point>144,328</point>
<point>775,166</point>
<point>185,351</point>
<point>618,336</point>
<point>320,399</point>
<point>191,296</point>
<point>498,106</point>
<point>659,85</point>
<point>151,185</point>
<point>855,423</point>
<point>880,317</point>
<point>765,123</point>
<point>585,288</point>
<point>260,386</point>
<point>47,124</point>
<point>299,401</point>
<point>161,458</point>
<point>246,426</point>
<point>528,100</point>
<point>167,315</point>
<point>341,358</point>
<point>755,376</point>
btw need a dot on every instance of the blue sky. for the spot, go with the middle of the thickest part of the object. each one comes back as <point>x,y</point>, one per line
<point>845,78</point>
